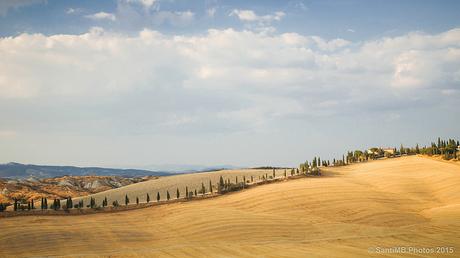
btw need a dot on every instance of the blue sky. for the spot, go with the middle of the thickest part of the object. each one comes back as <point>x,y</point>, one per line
<point>140,83</point>
<point>328,19</point>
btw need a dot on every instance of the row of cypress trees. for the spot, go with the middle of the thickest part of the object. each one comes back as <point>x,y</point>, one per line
<point>222,187</point>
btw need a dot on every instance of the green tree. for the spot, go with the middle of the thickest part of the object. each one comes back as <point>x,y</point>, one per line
<point>137,200</point>
<point>126,200</point>
<point>177,193</point>
<point>221,182</point>
<point>167,195</point>
<point>210,186</point>
<point>148,198</point>
<point>69,203</point>
<point>158,196</point>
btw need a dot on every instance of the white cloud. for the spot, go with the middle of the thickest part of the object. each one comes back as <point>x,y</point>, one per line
<point>145,3</point>
<point>73,11</point>
<point>251,16</point>
<point>224,79</point>
<point>101,16</point>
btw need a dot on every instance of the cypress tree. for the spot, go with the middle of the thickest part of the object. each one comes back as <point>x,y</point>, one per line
<point>106,202</point>
<point>46,203</point>
<point>221,182</point>
<point>196,194</point>
<point>15,207</point>
<point>32,204</point>
<point>126,200</point>
<point>167,195</point>
<point>210,186</point>
<point>177,193</point>
<point>203,189</point>
<point>137,200</point>
<point>28,205</point>
<point>148,198</point>
<point>252,179</point>
<point>41,204</point>
<point>158,196</point>
<point>273,173</point>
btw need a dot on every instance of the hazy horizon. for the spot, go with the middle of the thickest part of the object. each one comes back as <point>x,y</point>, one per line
<point>139,83</point>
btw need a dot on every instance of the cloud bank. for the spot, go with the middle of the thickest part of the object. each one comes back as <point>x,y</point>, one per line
<point>222,82</point>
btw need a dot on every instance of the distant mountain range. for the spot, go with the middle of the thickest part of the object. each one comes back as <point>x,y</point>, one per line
<point>18,170</point>
<point>186,168</point>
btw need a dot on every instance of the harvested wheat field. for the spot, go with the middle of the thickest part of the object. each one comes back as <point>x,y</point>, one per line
<point>193,181</point>
<point>409,201</point>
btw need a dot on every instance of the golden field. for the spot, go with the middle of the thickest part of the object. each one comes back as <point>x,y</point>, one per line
<point>193,181</point>
<point>409,201</point>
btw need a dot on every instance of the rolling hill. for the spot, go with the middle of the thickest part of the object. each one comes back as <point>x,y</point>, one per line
<point>172,183</point>
<point>18,170</point>
<point>352,211</point>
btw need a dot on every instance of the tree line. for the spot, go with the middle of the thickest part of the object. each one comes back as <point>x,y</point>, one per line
<point>222,186</point>
<point>448,149</point>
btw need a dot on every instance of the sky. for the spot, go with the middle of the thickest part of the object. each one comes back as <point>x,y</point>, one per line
<point>146,83</point>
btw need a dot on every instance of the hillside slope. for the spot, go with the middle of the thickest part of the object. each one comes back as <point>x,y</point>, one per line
<point>172,183</point>
<point>409,201</point>
<point>60,187</point>
<point>18,170</point>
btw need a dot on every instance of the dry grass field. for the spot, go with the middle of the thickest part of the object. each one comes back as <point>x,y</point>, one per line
<point>172,183</point>
<point>409,201</point>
